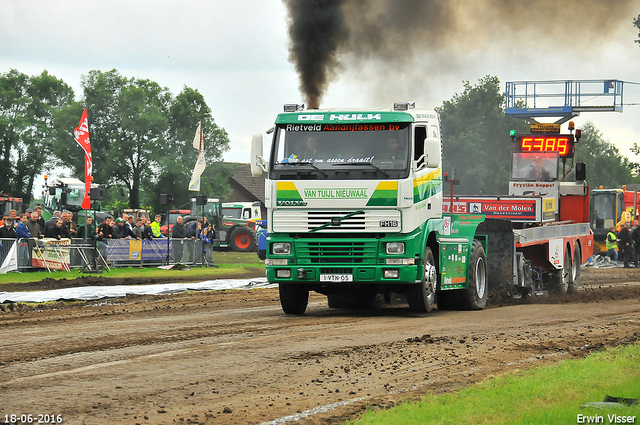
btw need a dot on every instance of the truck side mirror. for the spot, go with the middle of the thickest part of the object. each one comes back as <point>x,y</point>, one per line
<point>52,191</point>
<point>432,152</point>
<point>258,164</point>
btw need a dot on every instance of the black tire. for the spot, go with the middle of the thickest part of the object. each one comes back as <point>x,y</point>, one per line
<point>243,239</point>
<point>293,298</point>
<point>422,296</point>
<point>475,297</point>
<point>561,279</point>
<point>575,270</point>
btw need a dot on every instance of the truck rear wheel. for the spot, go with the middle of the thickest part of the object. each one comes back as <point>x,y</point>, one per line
<point>422,296</point>
<point>575,270</point>
<point>293,298</point>
<point>242,239</point>
<point>475,297</point>
<point>562,279</point>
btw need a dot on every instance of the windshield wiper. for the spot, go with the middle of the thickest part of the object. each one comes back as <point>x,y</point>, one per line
<point>305,163</point>
<point>363,163</point>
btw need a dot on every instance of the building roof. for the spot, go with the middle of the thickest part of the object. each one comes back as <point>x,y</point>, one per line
<point>242,176</point>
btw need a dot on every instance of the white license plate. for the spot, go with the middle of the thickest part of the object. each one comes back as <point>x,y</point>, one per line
<point>336,278</point>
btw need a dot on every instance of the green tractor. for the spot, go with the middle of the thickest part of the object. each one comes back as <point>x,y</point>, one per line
<point>231,232</point>
<point>67,194</point>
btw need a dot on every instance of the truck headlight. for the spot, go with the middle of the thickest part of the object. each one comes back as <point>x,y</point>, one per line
<point>395,248</point>
<point>391,274</point>
<point>281,248</point>
<point>283,273</point>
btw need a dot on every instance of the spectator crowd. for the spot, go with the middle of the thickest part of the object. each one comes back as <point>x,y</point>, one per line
<point>31,225</point>
<point>627,242</point>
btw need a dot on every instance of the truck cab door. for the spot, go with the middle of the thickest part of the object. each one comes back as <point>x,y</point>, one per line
<point>427,150</point>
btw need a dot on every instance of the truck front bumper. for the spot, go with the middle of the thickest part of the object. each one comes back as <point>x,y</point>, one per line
<point>340,275</point>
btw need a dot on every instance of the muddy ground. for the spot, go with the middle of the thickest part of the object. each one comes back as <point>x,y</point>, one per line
<point>233,357</point>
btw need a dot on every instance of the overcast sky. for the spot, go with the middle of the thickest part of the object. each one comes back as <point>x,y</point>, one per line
<point>236,54</point>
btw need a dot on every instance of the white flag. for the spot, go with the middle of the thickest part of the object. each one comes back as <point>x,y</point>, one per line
<point>201,164</point>
<point>198,137</point>
<point>11,262</point>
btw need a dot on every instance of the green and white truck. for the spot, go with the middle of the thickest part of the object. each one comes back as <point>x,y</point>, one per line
<point>355,209</point>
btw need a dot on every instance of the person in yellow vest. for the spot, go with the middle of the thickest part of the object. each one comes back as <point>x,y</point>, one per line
<point>611,243</point>
<point>155,227</point>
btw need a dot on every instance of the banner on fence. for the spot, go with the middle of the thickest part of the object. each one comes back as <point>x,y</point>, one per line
<point>135,249</point>
<point>10,263</point>
<point>155,250</point>
<point>118,250</point>
<point>53,253</point>
<point>132,249</point>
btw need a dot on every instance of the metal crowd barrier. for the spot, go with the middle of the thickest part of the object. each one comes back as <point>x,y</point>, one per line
<point>67,254</point>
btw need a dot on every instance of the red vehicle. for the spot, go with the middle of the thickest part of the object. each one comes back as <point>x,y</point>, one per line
<point>173,216</point>
<point>8,203</point>
<point>543,223</point>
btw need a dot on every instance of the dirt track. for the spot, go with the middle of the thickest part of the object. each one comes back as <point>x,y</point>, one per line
<point>233,357</point>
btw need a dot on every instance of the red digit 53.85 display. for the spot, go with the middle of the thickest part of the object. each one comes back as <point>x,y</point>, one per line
<point>561,143</point>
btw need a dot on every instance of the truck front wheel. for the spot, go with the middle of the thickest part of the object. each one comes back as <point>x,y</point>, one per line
<point>475,297</point>
<point>422,296</point>
<point>293,298</point>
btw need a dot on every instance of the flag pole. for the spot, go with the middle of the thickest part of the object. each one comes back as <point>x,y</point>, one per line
<point>199,193</point>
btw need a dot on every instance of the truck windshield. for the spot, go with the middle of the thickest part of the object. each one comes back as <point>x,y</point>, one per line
<point>232,212</point>
<point>603,210</point>
<point>534,166</point>
<point>327,150</point>
<point>212,209</point>
<point>75,195</point>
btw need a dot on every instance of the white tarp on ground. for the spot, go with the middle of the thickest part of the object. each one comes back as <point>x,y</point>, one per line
<point>88,293</point>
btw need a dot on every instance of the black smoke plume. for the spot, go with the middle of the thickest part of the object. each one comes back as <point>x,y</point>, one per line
<point>317,30</point>
<point>393,39</point>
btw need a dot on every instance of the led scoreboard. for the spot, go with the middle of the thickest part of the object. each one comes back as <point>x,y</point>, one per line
<point>561,143</point>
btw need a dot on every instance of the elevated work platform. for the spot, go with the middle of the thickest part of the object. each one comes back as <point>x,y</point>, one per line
<point>562,99</point>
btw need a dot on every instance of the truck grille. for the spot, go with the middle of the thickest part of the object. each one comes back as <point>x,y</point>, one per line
<point>331,251</point>
<point>303,221</point>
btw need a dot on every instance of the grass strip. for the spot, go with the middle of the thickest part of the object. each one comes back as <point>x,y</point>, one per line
<point>230,264</point>
<point>544,395</point>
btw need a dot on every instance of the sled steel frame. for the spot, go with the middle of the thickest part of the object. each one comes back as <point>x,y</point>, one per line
<point>562,98</point>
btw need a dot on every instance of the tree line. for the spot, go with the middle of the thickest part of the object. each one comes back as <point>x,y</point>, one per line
<point>141,136</point>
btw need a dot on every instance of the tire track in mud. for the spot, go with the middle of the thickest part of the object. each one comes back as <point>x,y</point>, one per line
<point>234,358</point>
